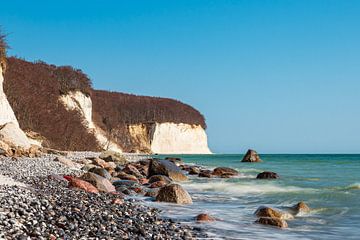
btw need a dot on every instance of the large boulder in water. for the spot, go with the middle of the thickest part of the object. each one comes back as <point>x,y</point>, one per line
<point>167,168</point>
<point>275,222</point>
<point>266,212</point>
<point>267,175</point>
<point>174,193</point>
<point>157,178</point>
<point>224,172</point>
<point>101,183</point>
<point>251,156</point>
<point>300,208</point>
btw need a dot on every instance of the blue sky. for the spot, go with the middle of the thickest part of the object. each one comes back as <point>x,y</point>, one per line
<point>277,76</point>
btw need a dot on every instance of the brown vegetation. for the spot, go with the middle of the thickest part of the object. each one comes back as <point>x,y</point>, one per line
<point>33,90</point>
<point>3,47</point>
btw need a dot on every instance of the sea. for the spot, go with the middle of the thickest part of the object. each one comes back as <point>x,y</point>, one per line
<point>328,184</point>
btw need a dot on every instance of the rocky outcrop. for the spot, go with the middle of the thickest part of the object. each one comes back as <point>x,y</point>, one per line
<point>267,175</point>
<point>251,156</point>
<point>10,131</point>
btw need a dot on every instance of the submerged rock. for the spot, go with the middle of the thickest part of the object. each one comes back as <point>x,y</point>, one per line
<point>167,168</point>
<point>251,156</point>
<point>203,217</point>
<point>276,222</point>
<point>225,172</point>
<point>266,212</point>
<point>300,208</point>
<point>194,170</point>
<point>267,175</point>
<point>205,174</point>
<point>174,193</point>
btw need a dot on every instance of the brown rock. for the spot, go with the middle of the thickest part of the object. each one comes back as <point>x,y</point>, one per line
<point>204,218</point>
<point>300,208</point>
<point>194,170</point>
<point>174,193</point>
<point>267,175</point>
<point>266,212</point>
<point>276,222</point>
<point>225,171</point>
<point>81,184</point>
<point>125,176</point>
<point>100,162</point>
<point>153,192</point>
<point>130,169</point>
<point>158,184</point>
<point>101,183</point>
<point>167,168</point>
<point>157,178</point>
<point>143,181</point>
<point>101,172</point>
<point>117,201</point>
<point>251,156</point>
<point>205,174</point>
<point>112,156</point>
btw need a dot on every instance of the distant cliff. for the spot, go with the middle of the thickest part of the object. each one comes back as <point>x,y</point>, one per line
<point>60,108</point>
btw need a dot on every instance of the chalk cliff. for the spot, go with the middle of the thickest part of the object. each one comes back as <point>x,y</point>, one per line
<point>161,138</point>
<point>10,131</point>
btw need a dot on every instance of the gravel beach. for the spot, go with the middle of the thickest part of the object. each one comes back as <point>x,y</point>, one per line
<point>46,208</point>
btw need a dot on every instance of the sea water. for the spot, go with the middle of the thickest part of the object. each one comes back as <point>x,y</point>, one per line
<point>329,184</point>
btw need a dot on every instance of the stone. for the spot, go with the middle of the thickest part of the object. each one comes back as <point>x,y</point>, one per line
<point>125,176</point>
<point>167,168</point>
<point>158,184</point>
<point>300,208</point>
<point>205,174</point>
<point>194,170</point>
<point>101,183</point>
<point>143,181</point>
<point>67,162</point>
<point>117,201</point>
<point>267,212</point>
<point>267,175</point>
<point>203,217</point>
<point>251,156</point>
<point>153,192</point>
<point>276,222</point>
<point>87,167</point>
<point>177,161</point>
<point>100,162</point>
<point>130,169</point>
<point>174,193</point>
<point>112,156</point>
<point>126,183</point>
<point>81,184</point>
<point>157,178</point>
<point>224,171</point>
<point>101,172</point>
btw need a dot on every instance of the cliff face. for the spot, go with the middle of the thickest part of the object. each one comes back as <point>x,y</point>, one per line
<point>10,131</point>
<point>59,104</point>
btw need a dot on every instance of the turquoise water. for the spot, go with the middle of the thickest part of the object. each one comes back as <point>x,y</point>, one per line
<point>329,184</point>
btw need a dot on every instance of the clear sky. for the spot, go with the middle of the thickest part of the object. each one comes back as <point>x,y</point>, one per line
<point>276,76</point>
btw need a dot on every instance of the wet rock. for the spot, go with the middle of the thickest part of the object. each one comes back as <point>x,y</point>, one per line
<point>101,172</point>
<point>112,156</point>
<point>194,170</point>
<point>174,193</point>
<point>158,184</point>
<point>267,175</point>
<point>152,192</point>
<point>81,184</point>
<point>203,217</point>
<point>275,222</point>
<point>300,208</point>
<point>157,178</point>
<point>205,174</point>
<point>167,168</point>
<point>143,181</point>
<point>266,212</point>
<point>175,160</point>
<point>101,183</point>
<point>225,172</point>
<point>251,156</point>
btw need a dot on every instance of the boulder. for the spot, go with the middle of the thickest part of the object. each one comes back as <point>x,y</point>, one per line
<point>100,162</point>
<point>205,174</point>
<point>267,175</point>
<point>251,156</point>
<point>101,172</point>
<point>194,170</point>
<point>12,134</point>
<point>157,178</point>
<point>112,156</point>
<point>175,160</point>
<point>153,192</point>
<point>276,222</point>
<point>126,183</point>
<point>87,167</point>
<point>158,184</point>
<point>300,208</point>
<point>131,169</point>
<point>167,168</point>
<point>101,183</point>
<point>81,184</point>
<point>266,212</point>
<point>67,162</point>
<point>174,193</point>
<point>125,176</point>
<point>224,172</point>
<point>203,217</point>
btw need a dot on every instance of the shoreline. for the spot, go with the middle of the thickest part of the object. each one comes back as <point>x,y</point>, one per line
<point>46,208</point>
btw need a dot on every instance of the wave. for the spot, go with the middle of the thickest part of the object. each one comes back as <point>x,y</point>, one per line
<point>353,186</point>
<point>243,189</point>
